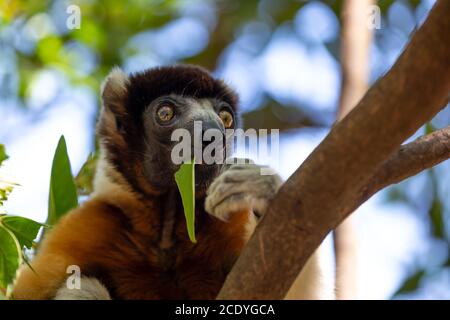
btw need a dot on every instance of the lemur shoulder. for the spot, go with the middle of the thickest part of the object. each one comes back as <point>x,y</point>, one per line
<point>130,240</point>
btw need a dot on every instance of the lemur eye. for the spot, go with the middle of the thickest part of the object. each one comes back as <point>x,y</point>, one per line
<point>227,118</point>
<point>165,113</point>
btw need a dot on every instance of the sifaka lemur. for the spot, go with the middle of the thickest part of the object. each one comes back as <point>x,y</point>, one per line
<point>129,240</point>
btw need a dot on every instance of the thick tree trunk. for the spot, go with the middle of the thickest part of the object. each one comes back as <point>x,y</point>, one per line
<point>325,189</point>
<point>356,38</point>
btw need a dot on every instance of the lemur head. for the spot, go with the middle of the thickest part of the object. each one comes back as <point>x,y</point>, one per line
<point>141,111</point>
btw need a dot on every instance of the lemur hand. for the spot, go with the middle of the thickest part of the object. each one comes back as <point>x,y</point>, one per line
<point>240,187</point>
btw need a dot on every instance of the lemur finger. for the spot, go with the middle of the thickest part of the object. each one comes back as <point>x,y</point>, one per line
<point>241,187</point>
<point>254,189</point>
<point>244,173</point>
<point>258,186</point>
<point>224,189</point>
<point>222,192</point>
<point>234,203</point>
<point>237,203</point>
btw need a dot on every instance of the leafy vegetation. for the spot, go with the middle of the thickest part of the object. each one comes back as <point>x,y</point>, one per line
<point>16,234</point>
<point>19,233</point>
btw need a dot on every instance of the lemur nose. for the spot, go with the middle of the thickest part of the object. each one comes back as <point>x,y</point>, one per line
<point>205,142</point>
<point>212,138</point>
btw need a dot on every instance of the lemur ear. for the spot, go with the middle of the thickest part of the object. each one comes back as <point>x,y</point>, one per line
<point>114,91</point>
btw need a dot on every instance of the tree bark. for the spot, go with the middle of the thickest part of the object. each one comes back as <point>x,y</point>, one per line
<point>323,191</point>
<point>355,47</point>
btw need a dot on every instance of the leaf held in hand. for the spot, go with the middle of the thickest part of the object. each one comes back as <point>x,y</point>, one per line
<point>185,180</point>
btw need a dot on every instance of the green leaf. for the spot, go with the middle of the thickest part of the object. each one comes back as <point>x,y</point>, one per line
<point>63,193</point>
<point>429,128</point>
<point>412,283</point>
<point>436,213</point>
<point>24,229</point>
<point>3,155</point>
<point>86,174</point>
<point>10,257</point>
<point>185,179</point>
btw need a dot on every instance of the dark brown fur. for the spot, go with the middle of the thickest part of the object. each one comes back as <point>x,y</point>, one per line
<point>117,238</point>
<point>125,142</point>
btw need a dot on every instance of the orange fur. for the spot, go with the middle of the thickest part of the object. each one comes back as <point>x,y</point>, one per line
<point>121,249</point>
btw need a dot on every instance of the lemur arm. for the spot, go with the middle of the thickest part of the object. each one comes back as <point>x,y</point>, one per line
<point>76,239</point>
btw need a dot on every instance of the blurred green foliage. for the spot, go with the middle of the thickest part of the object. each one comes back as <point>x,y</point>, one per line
<point>108,26</point>
<point>5,187</point>
<point>3,155</point>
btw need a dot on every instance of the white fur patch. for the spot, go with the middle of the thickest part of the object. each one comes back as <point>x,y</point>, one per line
<point>90,289</point>
<point>104,186</point>
<point>116,81</point>
<point>311,284</point>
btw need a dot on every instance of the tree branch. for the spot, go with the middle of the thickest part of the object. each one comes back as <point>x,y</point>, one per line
<point>409,160</point>
<point>321,193</point>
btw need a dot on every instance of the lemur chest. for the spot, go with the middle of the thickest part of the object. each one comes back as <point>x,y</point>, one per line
<point>182,271</point>
<point>189,280</point>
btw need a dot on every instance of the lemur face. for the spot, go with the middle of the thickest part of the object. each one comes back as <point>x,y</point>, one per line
<point>168,113</point>
<point>142,110</point>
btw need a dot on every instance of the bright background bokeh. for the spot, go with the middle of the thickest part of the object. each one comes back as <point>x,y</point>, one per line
<point>282,58</point>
